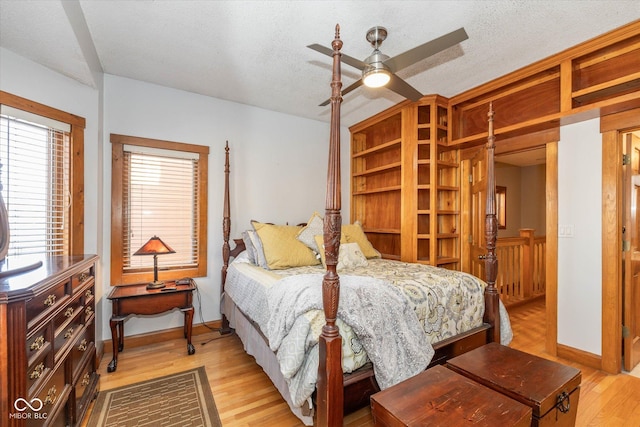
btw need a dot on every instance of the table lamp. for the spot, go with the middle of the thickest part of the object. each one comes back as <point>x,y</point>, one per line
<point>155,246</point>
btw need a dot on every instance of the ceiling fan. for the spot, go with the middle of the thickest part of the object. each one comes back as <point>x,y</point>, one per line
<point>379,69</point>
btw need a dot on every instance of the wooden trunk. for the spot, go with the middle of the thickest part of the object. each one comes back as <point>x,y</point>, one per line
<point>440,397</point>
<point>551,389</point>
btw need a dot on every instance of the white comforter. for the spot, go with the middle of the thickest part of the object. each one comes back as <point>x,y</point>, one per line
<point>389,332</point>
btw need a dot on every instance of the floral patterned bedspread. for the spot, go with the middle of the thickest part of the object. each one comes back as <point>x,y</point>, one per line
<point>446,302</point>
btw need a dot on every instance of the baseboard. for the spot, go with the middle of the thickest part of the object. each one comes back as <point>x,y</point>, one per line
<point>159,336</point>
<point>583,357</point>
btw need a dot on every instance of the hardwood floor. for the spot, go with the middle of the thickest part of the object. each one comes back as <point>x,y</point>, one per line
<point>245,396</point>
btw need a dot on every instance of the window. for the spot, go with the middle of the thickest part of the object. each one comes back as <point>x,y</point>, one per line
<point>42,183</point>
<point>159,188</point>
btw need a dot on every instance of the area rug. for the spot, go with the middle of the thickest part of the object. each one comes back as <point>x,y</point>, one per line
<point>181,400</point>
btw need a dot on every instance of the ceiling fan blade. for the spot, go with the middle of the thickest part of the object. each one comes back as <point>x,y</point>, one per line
<point>403,88</point>
<point>349,60</point>
<point>345,91</point>
<point>353,86</point>
<point>425,50</point>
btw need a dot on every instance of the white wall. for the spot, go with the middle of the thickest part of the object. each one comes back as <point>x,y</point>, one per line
<point>526,198</point>
<point>580,256</point>
<point>278,168</point>
<point>533,197</point>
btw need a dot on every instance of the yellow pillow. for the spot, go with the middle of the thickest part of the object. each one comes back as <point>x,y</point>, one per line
<point>281,247</point>
<point>354,234</point>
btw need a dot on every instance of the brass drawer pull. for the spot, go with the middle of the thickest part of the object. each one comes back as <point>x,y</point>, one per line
<point>88,311</point>
<point>37,344</point>
<point>50,300</point>
<point>85,380</point>
<point>51,396</point>
<point>83,345</point>
<point>83,277</point>
<point>69,312</point>
<point>37,372</point>
<point>69,333</point>
<point>88,294</point>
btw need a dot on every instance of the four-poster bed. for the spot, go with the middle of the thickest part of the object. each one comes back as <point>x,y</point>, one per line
<point>335,391</point>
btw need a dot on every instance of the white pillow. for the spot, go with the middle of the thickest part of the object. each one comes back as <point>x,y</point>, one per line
<point>314,227</point>
<point>250,249</point>
<point>261,260</point>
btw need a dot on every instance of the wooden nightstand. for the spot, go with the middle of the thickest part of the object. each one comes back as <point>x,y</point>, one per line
<point>136,299</point>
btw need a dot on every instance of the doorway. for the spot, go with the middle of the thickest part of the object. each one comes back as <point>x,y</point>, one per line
<point>520,179</point>
<point>631,251</point>
<point>613,127</point>
<point>472,224</point>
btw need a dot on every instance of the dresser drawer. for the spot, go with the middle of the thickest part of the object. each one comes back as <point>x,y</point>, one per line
<point>53,394</point>
<point>79,279</point>
<point>45,303</point>
<point>67,331</point>
<point>38,372</point>
<point>89,296</point>
<point>39,342</point>
<point>82,348</point>
<point>85,388</point>
<point>72,309</point>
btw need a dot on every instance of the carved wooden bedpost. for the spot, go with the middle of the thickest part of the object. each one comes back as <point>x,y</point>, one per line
<point>330,394</point>
<point>226,231</point>
<point>491,314</point>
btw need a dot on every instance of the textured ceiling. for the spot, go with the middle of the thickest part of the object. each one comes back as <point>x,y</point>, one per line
<point>254,52</point>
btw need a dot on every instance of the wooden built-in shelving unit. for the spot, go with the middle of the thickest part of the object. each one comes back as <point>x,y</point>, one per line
<point>405,183</point>
<point>376,181</point>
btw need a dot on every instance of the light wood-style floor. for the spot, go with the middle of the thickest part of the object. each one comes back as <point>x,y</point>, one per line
<point>245,396</point>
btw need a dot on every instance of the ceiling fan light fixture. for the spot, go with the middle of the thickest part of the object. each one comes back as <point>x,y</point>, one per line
<point>376,73</point>
<point>380,70</point>
<point>375,77</point>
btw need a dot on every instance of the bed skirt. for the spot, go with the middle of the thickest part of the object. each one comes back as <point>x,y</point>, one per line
<point>255,345</point>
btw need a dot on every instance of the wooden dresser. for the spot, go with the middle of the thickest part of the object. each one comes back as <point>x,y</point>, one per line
<point>47,341</point>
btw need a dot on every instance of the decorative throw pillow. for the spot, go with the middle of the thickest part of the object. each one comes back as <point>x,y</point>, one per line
<point>281,247</point>
<point>314,227</point>
<point>355,234</point>
<point>349,256</point>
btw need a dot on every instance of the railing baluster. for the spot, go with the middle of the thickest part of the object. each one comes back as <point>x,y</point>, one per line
<point>521,268</point>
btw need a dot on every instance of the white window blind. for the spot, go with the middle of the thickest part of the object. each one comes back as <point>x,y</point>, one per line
<point>160,198</point>
<point>35,179</point>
